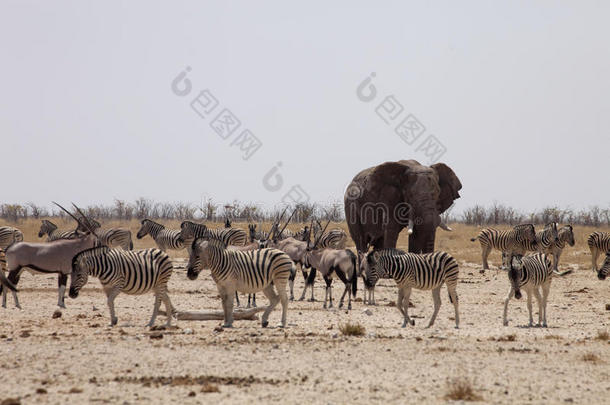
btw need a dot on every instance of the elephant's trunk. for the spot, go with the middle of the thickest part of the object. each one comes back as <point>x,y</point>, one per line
<point>427,219</point>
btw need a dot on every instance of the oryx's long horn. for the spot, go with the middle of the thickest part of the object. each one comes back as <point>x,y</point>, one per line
<point>286,224</point>
<point>321,234</point>
<point>309,235</point>
<point>87,223</point>
<point>69,213</point>
<point>276,224</point>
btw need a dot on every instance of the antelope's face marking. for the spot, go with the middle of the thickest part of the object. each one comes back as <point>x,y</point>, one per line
<point>143,229</point>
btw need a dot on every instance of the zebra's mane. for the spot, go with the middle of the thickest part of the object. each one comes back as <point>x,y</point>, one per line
<point>89,251</point>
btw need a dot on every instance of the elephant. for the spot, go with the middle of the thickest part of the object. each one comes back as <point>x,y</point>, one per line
<point>381,200</point>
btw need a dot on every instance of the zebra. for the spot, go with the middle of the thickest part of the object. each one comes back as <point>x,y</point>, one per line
<point>164,238</point>
<point>49,228</point>
<point>189,231</point>
<point>335,239</point>
<point>422,271</point>
<point>370,278</point>
<point>545,240</point>
<point>244,271</point>
<point>8,236</point>
<point>257,235</point>
<point>112,237</point>
<point>599,242</point>
<point>130,272</point>
<point>605,269</point>
<point>510,241</point>
<point>530,272</point>
<point>564,235</point>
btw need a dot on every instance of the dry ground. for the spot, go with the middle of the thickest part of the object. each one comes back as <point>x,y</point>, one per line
<point>76,357</point>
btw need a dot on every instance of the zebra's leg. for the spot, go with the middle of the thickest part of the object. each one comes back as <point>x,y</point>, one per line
<point>3,296</point>
<point>454,299</point>
<point>229,308</point>
<point>529,306</point>
<point>273,300</point>
<point>557,255</point>
<point>436,297</point>
<point>62,280</point>
<point>594,255</point>
<point>169,308</point>
<point>485,250</point>
<point>237,299</point>
<point>281,290</point>
<point>401,295</point>
<point>372,294</point>
<point>510,295</point>
<point>539,300</point>
<point>545,295</point>
<point>156,309</point>
<point>405,307</point>
<point>111,293</point>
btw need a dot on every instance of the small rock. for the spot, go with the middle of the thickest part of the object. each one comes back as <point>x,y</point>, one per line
<point>276,346</point>
<point>371,335</point>
<point>367,312</point>
<point>95,308</point>
<point>56,314</point>
<point>192,394</point>
<point>334,335</point>
<point>188,331</point>
<point>218,329</point>
<point>25,334</point>
<point>75,390</point>
<point>607,307</point>
<point>41,391</point>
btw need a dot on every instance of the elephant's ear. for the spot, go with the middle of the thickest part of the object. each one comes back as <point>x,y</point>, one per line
<point>387,174</point>
<point>450,186</point>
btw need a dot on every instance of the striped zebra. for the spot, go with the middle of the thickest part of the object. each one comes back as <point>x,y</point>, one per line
<point>545,240</point>
<point>530,273</point>
<point>130,272</point>
<point>335,239</point>
<point>50,229</point>
<point>164,238</point>
<point>370,278</point>
<point>257,235</point>
<point>511,241</point>
<point>189,231</point>
<point>244,271</point>
<point>564,235</point>
<point>605,269</point>
<point>422,271</point>
<point>599,242</point>
<point>8,236</point>
<point>112,237</point>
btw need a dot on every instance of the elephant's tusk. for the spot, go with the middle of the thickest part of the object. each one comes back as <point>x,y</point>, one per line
<point>410,227</point>
<point>444,227</point>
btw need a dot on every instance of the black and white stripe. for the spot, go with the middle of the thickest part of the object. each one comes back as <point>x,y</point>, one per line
<point>421,271</point>
<point>511,241</point>
<point>165,239</point>
<point>8,236</point>
<point>130,272</point>
<point>545,239</point>
<point>530,273</point>
<point>244,271</point>
<point>111,237</point>
<point>334,239</point>
<point>189,231</point>
<point>605,269</point>
<point>565,235</point>
<point>599,242</point>
<point>49,228</point>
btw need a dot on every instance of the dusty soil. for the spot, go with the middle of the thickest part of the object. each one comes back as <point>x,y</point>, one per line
<point>78,358</point>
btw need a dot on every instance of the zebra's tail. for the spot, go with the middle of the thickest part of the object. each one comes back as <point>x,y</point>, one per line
<point>354,279</point>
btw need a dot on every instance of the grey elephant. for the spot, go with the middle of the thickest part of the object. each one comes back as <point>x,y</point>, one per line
<point>382,200</point>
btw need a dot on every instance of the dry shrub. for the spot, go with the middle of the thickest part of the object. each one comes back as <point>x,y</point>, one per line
<point>352,329</point>
<point>602,335</point>
<point>507,338</point>
<point>557,337</point>
<point>461,389</point>
<point>591,357</point>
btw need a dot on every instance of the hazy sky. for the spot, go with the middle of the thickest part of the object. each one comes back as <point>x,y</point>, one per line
<point>518,94</point>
